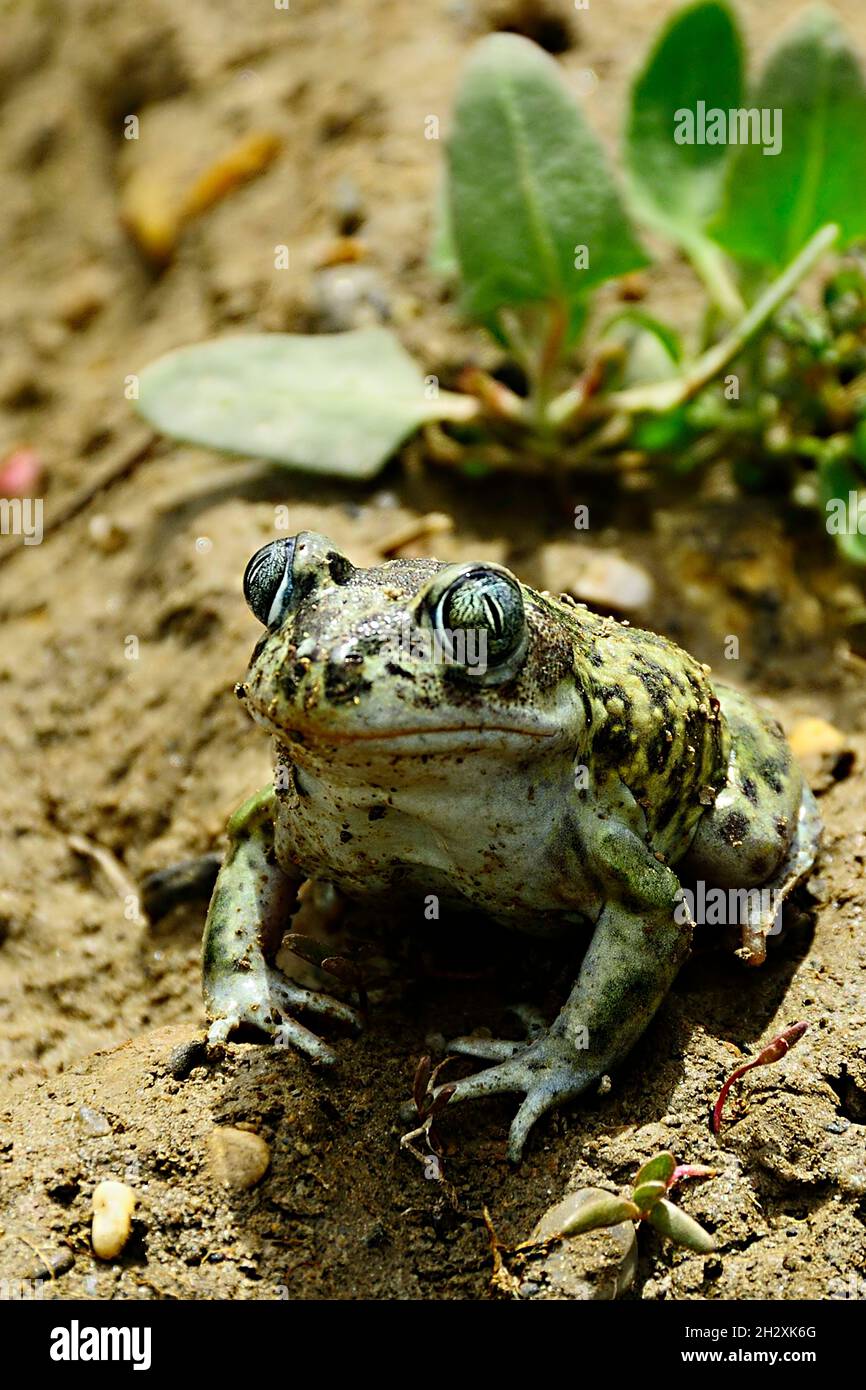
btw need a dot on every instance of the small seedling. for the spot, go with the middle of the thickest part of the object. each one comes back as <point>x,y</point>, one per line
<point>773,1052</point>
<point>649,1202</point>
<point>534,221</point>
<point>428,1108</point>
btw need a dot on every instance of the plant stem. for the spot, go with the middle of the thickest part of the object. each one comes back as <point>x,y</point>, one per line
<point>773,1052</point>
<point>659,397</point>
<point>662,396</point>
<point>709,263</point>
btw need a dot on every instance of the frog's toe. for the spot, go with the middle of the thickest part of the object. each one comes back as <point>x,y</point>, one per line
<point>292,996</point>
<point>266,1001</point>
<point>543,1071</point>
<point>491,1049</point>
<point>290,1033</point>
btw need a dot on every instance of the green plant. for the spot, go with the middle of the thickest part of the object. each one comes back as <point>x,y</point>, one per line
<point>533,223</point>
<point>649,1202</point>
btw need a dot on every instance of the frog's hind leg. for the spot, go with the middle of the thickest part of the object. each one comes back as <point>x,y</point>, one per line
<point>762,834</point>
<point>251,904</point>
<point>640,940</point>
<point>763,906</point>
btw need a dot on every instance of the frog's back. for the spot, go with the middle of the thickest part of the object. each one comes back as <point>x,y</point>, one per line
<point>657,725</point>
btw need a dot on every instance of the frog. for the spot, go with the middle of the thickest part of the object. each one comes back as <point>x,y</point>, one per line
<point>442,731</point>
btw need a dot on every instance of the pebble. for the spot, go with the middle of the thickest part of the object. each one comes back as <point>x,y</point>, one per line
<point>596,576</point>
<point>113,1205</point>
<point>106,534</point>
<point>185,1056</point>
<point>238,1159</point>
<point>93,1121</point>
<point>598,1265</point>
<point>349,296</point>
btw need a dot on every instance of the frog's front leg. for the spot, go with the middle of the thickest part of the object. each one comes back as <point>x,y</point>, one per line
<point>251,904</point>
<point>640,940</point>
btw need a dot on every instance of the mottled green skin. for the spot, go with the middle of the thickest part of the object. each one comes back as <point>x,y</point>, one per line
<point>566,789</point>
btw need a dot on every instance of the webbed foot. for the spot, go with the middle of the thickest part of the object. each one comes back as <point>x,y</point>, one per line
<point>547,1071</point>
<point>262,1000</point>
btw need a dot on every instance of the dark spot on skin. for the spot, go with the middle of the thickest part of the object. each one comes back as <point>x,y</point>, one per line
<point>345,836</point>
<point>772,772</point>
<point>377,812</point>
<point>339,568</point>
<point>587,704</point>
<point>343,684</point>
<point>290,678</point>
<point>734,828</point>
<point>394,670</point>
<point>658,751</point>
<point>258,649</point>
<point>750,790</point>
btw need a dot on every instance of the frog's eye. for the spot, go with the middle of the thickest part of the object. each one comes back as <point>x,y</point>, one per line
<point>481,620</point>
<point>268,581</point>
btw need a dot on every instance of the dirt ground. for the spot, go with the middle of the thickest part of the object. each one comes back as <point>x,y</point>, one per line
<point>141,760</point>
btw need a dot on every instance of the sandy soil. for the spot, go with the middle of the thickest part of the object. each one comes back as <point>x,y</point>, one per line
<point>144,758</point>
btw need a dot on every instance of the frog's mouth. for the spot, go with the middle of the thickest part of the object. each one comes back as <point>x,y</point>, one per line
<point>303,729</point>
<point>420,739</point>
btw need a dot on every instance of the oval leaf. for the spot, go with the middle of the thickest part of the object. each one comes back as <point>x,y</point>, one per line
<point>337,403</point>
<point>601,1211</point>
<point>775,202</point>
<point>529,185</point>
<point>646,1194</point>
<point>659,1168</point>
<point>696,65</point>
<point>672,1222</point>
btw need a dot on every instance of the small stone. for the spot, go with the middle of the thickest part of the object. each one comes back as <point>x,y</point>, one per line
<point>238,1159</point>
<point>597,1265</point>
<point>592,575</point>
<point>106,534</point>
<point>185,1056</point>
<point>113,1205</point>
<point>93,1121</point>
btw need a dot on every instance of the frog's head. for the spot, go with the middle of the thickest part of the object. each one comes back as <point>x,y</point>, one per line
<point>408,657</point>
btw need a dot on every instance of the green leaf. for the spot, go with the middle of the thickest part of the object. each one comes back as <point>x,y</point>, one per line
<point>697,59</point>
<point>646,1194</point>
<point>672,1222</point>
<point>443,254</point>
<point>841,483</point>
<point>659,1168</point>
<point>529,185</point>
<point>335,403</point>
<point>775,202</point>
<point>601,1211</point>
<point>651,350</point>
<point>639,319</point>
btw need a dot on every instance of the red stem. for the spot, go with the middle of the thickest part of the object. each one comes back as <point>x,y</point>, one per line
<point>773,1052</point>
